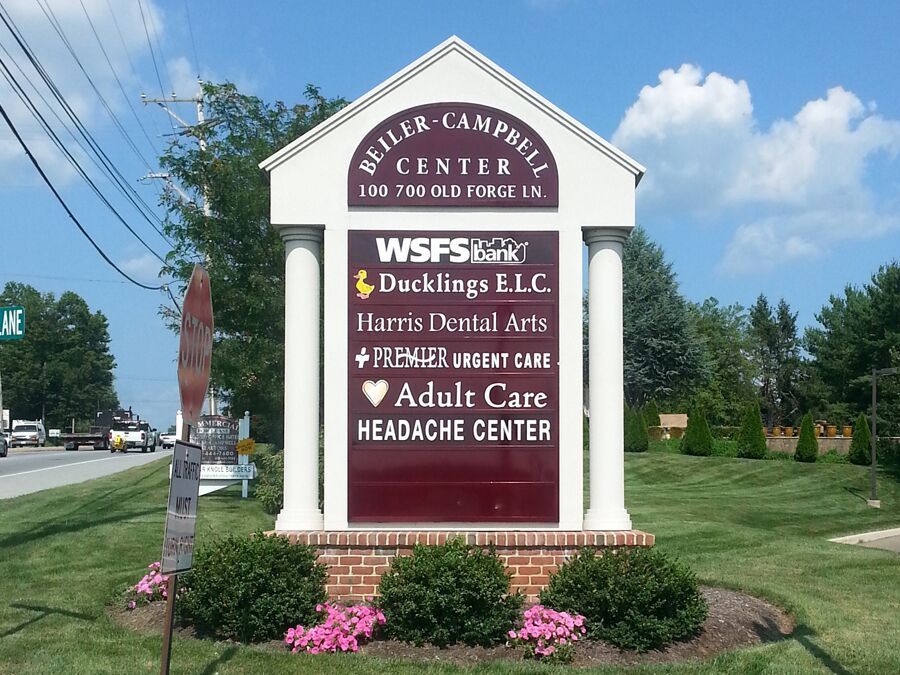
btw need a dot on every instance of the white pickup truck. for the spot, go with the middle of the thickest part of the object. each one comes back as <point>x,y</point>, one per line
<point>127,434</point>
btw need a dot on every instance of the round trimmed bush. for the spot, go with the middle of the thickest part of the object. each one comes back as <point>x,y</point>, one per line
<point>448,594</point>
<point>252,588</point>
<point>632,598</point>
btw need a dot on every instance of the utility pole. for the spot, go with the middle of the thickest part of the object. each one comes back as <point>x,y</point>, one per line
<point>201,142</point>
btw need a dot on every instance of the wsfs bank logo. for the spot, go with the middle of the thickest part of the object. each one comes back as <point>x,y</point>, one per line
<point>450,249</point>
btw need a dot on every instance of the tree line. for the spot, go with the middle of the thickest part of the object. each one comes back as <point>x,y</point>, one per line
<point>62,369</point>
<point>719,358</point>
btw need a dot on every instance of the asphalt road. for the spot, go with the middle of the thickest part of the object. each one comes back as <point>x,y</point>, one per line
<point>24,472</point>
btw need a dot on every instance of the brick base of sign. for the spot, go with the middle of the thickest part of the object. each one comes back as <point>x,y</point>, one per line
<point>357,559</point>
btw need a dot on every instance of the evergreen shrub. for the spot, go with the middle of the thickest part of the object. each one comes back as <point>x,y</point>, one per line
<point>697,439</point>
<point>860,445</point>
<point>633,598</point>
<point>807,445</point>
<point>651,413</point>
<point>752,439</point>
<point>448,594</point>
<point>252,588</point>
<point>636,437</point>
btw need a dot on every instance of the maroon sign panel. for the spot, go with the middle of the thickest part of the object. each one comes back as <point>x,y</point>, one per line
<point>453,354</point>
<point>453,154</point>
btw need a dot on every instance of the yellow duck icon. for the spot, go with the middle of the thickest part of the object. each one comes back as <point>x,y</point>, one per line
<point>364,289</point>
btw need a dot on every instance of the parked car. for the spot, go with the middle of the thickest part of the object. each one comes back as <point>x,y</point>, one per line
<point>4,445</point>
<point>168,440</point>
<point>27,432</point>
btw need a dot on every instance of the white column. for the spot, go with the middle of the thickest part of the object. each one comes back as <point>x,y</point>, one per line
<point>302,244</point>
<point>607,390</point>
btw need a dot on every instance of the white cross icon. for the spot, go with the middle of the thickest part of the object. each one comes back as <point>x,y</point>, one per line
<point>362,358</point>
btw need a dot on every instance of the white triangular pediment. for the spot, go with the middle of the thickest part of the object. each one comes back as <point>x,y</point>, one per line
<point>470,63</point>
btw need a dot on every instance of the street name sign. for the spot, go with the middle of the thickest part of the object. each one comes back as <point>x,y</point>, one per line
<point>195,345</point>
<point>12,323</point>
<point>181,514</point>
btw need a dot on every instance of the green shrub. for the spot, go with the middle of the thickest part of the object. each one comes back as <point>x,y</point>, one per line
<point>697,439</point>
<point>651,414</point>
<point>636,437</point>
<point>860,445</point>
<point>722,447</point>
<point>752,439</point>
<point>447,594</point>
<point>807,445</point>
<point>633,598</point>
<point>269,490</point>
<point>725,433</point>
<point>834,457</point>
<point>252,588</point>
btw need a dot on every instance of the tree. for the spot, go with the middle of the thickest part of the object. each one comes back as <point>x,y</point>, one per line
<point>807,445</point>
<point>62,368</point>
<point>857,332</point>
<point>242,252</point>
<point>751,439</point>
<point>775,353</point>
<point>728,381</point>
<point>697,439</point>
<point>636,436</point>
<point>661,351</point>
<point>860,445</point>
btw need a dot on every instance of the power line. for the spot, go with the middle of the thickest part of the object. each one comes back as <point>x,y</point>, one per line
<point>187,12</point>
<point>109,168</point>
<point>128,56</point>
<point>118,81</point>
<point>162,89</point>
<point>29,104</point>
<point>15,132</point>
<point>54,22</point>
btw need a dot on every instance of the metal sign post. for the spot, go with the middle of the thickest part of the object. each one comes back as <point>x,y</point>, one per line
<point>194,360</point>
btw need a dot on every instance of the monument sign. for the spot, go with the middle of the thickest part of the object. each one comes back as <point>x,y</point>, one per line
<point>452,204</point>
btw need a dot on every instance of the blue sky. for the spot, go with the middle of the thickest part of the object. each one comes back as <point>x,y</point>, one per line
<point>770,130</point>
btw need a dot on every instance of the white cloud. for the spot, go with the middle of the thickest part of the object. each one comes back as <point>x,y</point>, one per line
<point>803,180</point>
<point>144,267</point>
<point>38,31</point>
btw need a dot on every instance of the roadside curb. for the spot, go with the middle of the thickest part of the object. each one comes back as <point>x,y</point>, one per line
<point>864,537</point>
<point>27,450</point>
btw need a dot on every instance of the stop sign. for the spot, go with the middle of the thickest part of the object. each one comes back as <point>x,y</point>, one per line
<point>195,347</point>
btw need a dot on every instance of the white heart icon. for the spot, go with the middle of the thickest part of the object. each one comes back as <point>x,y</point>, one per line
<point>375,391</point>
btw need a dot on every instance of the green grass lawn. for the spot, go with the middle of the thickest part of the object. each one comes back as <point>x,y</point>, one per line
<point>757,526</point>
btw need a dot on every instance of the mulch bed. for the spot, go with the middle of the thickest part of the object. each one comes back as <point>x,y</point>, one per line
<point>735,620</point>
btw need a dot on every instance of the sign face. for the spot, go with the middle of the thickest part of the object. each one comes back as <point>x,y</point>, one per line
<point>453,154</point>
<point>12,323</point>
<point>218,437</point>
<point>228,472</point>
<point>246,446</point>
<point>453,352</point>
<point>53,433</point>
<point>181,516</point>
<point>195,346</point>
